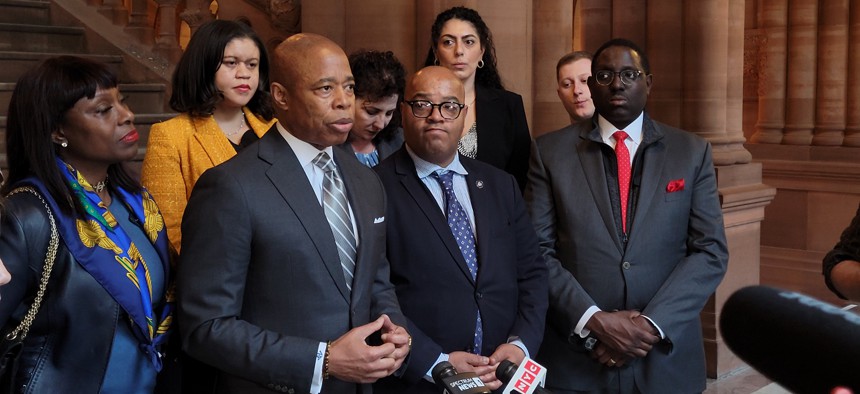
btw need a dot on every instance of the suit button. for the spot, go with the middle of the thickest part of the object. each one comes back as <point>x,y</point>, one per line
<point>626,265</point>
<point>479,295</point>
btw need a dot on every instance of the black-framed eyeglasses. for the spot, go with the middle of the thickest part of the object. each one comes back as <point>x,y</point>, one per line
<point>605,77</point>
<point>423,109</point>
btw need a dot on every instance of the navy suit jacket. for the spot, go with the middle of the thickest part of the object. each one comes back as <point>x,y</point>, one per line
<point>260,282</point>
<point>433,284</point>
<point>674,258</point>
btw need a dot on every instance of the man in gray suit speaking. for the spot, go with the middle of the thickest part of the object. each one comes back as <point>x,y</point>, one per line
<point>629,220</point>
<point>283,280</point>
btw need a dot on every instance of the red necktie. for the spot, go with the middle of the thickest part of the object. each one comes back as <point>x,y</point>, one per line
<point>622,155</point>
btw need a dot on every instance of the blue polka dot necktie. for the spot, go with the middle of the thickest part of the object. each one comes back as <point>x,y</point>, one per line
<point>458,221</point>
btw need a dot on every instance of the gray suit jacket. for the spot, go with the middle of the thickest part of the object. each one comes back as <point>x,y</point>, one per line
<point>260,281</point>
<point>675,257</point>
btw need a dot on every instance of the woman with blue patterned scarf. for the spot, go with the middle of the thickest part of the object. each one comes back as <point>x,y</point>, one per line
<point>108,305</point>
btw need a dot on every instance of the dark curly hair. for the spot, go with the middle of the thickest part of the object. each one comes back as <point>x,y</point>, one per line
<point>379,75</point>
<point>487,76</point>
<point>38,107</point>
<point>194,90</point>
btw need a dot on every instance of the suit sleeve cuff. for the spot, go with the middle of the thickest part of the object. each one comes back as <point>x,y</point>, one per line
<point>580,326</point>
<point>519,343</point>
<point>316,383</point>
<point>428,377</point>
<point>659,330</point>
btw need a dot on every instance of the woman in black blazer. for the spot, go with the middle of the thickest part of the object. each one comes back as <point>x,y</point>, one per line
<point>495,129</point>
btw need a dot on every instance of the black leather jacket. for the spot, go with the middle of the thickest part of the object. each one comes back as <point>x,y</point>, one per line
<point>69,343</point>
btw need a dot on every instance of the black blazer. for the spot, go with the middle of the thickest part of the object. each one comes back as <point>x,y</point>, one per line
<point>503,133</point>
<point>260,281</point>
<point>433,283</point>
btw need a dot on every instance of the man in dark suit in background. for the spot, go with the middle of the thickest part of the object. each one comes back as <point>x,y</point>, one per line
<point>283,274</point>
<point>464,255</point>
<point>634,240</point>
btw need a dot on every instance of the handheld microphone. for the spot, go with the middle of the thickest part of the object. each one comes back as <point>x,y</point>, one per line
<point>446,377</point>
<point>522,379</point>
<point>801,343</point>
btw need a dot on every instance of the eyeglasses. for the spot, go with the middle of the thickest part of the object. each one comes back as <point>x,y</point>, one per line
<point>605,77</point>
<point>449,110</point>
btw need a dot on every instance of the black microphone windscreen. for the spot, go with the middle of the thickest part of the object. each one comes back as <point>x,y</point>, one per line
<point>801,343</point>
<point>442,370</point>
<point>505,371</point>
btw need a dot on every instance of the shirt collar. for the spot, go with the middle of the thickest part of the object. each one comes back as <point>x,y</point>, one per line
<point>304,151</point>
<point>424,168</point>
<point>633,130</point>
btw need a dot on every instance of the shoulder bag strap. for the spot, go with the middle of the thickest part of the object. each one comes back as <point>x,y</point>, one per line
<point>20,332</point>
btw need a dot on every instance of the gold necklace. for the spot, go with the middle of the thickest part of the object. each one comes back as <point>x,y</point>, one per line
<point>99,187</point>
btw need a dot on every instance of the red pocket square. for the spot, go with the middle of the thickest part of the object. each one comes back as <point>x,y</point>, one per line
<point>675,186</point>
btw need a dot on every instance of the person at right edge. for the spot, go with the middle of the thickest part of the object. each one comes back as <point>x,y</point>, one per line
<point>634,240</point>
<point>841,265</point>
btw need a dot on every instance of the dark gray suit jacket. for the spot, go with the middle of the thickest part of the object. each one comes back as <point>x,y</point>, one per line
<point>675,257</point>
<point>260,281</point>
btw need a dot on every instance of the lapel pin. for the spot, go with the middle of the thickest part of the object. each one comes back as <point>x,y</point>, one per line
<point>479,184</point>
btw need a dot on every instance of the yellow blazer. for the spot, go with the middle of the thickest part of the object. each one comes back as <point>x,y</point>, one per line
<point>179,150</point>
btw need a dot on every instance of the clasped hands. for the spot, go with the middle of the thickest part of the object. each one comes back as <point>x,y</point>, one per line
<point>351,359</point>
<point>485,367</point>
<point>623,336</point>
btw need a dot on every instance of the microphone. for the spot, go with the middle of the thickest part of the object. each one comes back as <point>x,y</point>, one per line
<point>446,377</point>
<point>801,343</point>
<point>522,379</point>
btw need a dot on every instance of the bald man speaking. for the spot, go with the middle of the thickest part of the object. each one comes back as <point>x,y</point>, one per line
<point>284,285</point>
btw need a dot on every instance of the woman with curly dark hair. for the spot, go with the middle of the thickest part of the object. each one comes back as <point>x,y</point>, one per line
<point>379,82</point>
<point>221,90</point>
<point>495,129</point>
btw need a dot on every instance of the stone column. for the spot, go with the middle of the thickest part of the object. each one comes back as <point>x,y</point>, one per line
<point>138,22</point>
<point>832,73</point>
<point>710,105</point>
<point>597,15</point>
<point>664,104</point>
<point>852,126</point>
<point>167,39</point>
<point>802,55</point>
<point>732,150</point>
<point>629,20</point>
<point>327,18</point>
<point>115,11</point>
<point>773,15</point>
<point>381,25</point>
<point>553,38</point>
<point>196,13</point>
<point>705,76</point>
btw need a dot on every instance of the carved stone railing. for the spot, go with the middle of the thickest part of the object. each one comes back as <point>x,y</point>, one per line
<point>160,29</point>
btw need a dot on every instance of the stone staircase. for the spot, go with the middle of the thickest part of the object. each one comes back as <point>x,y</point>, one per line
<point>32,30</point>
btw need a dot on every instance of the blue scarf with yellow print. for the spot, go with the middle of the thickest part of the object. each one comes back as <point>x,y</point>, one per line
<point>101,246</point>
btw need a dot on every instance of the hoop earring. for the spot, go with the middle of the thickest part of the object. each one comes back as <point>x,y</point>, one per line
<point>435,61</point>
<point>481,63</point>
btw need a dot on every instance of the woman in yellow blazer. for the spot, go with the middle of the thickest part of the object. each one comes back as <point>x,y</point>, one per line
<point>221,90</point>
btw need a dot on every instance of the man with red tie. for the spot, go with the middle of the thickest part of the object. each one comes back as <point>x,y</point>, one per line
<point>629,220</point>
